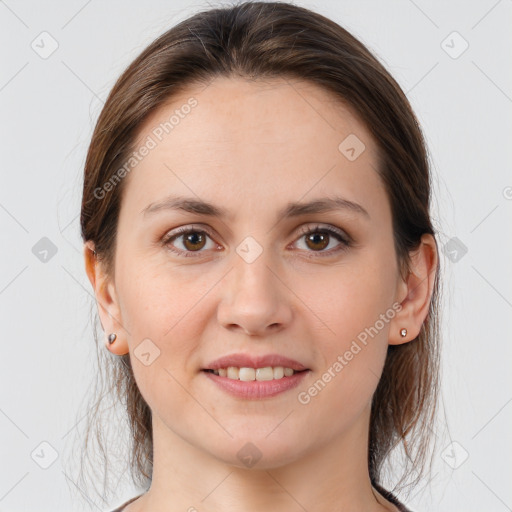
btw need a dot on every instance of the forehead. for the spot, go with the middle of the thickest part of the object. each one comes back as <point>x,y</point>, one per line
<point>240,141</point>
<point>227,109</point>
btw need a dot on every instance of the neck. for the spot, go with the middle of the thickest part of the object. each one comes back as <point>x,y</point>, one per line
<point>331,477</point>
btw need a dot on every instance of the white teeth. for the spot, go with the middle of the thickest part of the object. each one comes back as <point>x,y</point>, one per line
<point>266,373</point>
<point>232,372</point>
<point>278,372</point>
<point>249,374</point>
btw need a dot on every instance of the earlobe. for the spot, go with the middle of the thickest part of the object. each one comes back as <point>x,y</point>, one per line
<point>106,301</point>
<point>116,346</point>
<point>415,292</point>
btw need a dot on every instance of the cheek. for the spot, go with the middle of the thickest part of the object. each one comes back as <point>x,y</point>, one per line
<point>161,313</point>
<point>158,301</point>
<point>358,310</point>
<point>165,305</point>
<point>350,298</point>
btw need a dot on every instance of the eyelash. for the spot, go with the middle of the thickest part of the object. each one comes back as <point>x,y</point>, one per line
<point>345,240</point>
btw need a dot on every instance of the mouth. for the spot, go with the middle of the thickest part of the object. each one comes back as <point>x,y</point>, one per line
<point>247,374</point>
<point>248,383</point>
<point>252,376</point>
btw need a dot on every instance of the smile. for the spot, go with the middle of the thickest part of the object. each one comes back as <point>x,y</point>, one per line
<point>249,374</point>
<point>252,388</point>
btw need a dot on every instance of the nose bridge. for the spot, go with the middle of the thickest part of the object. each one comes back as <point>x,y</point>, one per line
<point>253,297</point>
<point>252,276</point>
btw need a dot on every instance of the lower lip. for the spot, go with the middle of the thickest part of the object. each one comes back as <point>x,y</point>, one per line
<point>256,389</point>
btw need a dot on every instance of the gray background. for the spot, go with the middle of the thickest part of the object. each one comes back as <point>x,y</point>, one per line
<point>48,107</point>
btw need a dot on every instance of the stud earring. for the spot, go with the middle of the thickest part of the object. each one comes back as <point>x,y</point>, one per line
<point>403,332</point>
<point>111,338</point>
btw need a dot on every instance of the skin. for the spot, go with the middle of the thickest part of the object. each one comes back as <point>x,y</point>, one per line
<point>252,147</point>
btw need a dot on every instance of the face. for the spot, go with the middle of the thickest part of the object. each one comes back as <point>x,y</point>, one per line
<point>252,281</point>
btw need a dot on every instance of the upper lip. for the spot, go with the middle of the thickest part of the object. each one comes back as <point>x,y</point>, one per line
<point>254,361</point>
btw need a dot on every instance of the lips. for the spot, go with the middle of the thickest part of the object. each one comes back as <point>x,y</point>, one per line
<point>253,361</point>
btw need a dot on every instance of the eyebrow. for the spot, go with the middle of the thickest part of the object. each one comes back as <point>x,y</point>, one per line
<point>193,205</point>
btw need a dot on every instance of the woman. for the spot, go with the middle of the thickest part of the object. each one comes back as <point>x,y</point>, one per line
<point>257,234</point>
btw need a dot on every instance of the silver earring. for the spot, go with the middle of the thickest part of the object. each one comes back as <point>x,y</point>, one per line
<point>111,338</point>
<point>403,332</point>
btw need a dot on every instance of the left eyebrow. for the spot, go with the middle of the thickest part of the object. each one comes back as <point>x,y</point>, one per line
<point>296,209</point>
<point>321,205</point>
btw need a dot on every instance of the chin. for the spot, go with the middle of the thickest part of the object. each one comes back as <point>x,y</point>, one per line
<point>260,452</point>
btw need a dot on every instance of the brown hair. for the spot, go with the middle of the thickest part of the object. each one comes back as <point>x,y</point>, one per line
<point>266,40</point>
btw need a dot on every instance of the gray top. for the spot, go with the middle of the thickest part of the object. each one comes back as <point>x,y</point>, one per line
<point>388,495</point>
<point>119,509</point>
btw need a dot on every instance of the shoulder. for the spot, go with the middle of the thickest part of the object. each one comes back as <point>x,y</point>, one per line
<point>391,498</point>
<point>121,507</point>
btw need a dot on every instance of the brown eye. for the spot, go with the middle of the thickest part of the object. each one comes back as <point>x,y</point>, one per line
<point>317,240</point>
<point>191,240</point>
<point>194,240</point>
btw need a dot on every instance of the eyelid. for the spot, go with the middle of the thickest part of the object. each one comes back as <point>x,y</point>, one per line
<point>304,230</point>
<point>183,230</point>
<point>342,236</point>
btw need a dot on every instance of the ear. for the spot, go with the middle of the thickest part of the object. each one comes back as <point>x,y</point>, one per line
<point>106,300</point>
<point>415,292</point>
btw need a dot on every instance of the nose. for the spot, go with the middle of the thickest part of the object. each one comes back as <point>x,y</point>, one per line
<point>255,299</point>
